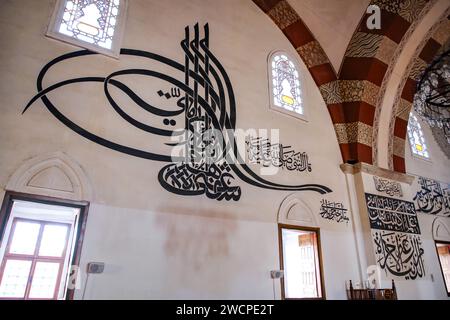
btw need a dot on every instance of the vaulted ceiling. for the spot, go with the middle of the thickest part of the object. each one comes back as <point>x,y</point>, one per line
<point>353,66</point>
<point>332,22</point>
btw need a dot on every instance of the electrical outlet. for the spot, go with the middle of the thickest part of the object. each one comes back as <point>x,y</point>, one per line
<point>95,267</point>
<point>276,274</point>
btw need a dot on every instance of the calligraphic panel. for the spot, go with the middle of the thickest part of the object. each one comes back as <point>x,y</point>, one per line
<point>333,211</point>
<point>391,188</point>
<point>392,214</point>
<point>433,197</point>
<point>396,236</point>
<point>262,151</point>
<point>400,254</point>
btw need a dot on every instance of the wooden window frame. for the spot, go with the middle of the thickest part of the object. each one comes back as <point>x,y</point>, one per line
<point>83,206</point>
<point>35,257</point>
<point>447,287</point>
<point>319,255</point>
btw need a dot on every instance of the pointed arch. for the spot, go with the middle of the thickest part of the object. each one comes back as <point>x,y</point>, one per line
<point>54,175</point>
<point>294,211</point>
<point>441,229</point>
<point>353,96</point>
<point>425,53</point>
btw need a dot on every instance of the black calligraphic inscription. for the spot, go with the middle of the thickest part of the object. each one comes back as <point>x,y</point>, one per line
<point>333,211</point>
<point>433,197</point>
<point>399,254</point>
<point>392,214</point>
<point>262,151</point>
<point>391,188</point>
<point>205,98</point>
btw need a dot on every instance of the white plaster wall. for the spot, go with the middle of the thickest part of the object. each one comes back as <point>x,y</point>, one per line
<point>152,255</point>
<point>156,244</point>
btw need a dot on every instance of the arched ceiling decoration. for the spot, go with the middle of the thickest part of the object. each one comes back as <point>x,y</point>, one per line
<point>432,46</point>
<point>353,95</point>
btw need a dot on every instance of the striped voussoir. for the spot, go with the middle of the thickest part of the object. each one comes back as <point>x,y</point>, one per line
<point>432,47</point>
<point>351,96</point>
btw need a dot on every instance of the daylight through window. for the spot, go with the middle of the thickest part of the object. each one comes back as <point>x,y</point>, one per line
<point>301,264</point>
<point>286,90</point>
<point>89,23</point>
<point>416,138</point>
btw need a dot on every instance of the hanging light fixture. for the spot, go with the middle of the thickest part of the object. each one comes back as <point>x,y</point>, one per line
<point>432,99</point>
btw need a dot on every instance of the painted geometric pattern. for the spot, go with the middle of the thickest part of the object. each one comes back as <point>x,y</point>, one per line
<point>417,69</point>
<point>402,109</point>
<point>283,14</point>
<point>330,92</point>
<point>312,54</point>
<point>392,6</point>
<point>442,33</point>
<point>386,51</point>
<point>341,132</point>
<point>399,147</point>
<point>364,45</point>
<point>350,91</point>
<point>354,132</point>
<point>410,9</point>
<point>370,45</point>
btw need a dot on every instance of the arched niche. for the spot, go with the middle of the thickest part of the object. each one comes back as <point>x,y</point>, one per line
<point>294,211</point>
<point>54,175</point>
<point>441,229</point>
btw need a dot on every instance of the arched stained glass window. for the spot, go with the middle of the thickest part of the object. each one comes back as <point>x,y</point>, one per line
<point>285,87</point>
<point>92,24</point>
<point>416,138</point>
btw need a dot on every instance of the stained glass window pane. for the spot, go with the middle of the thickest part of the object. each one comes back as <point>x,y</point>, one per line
<point>91,21</point>
<point>416,138</point>
<point>286,88</point>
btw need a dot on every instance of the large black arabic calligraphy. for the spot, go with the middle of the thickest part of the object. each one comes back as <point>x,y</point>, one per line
<point>391,188</point>
<point>400,254</point>
<point>432,198</point>
<point>261,150</point>
<point>391,214</point>
<point>206,98</point>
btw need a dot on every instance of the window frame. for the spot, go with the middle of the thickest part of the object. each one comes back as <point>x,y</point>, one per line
<point>316,230</point>
<point>83,206</point>
<point>53,33</point>
<point>303,117</point>
<point>447,287</point>
<point>413,154</point>
<point>35,257</point>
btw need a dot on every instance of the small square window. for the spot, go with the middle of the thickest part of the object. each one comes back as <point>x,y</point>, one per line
<point>96,25</point>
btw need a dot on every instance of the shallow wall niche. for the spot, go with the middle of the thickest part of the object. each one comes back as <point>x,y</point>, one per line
<point>441,229</point>
<point>54,175</point>
<point>294,211</point>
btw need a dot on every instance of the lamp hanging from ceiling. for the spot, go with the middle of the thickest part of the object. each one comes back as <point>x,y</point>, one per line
<point>432,99</point>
